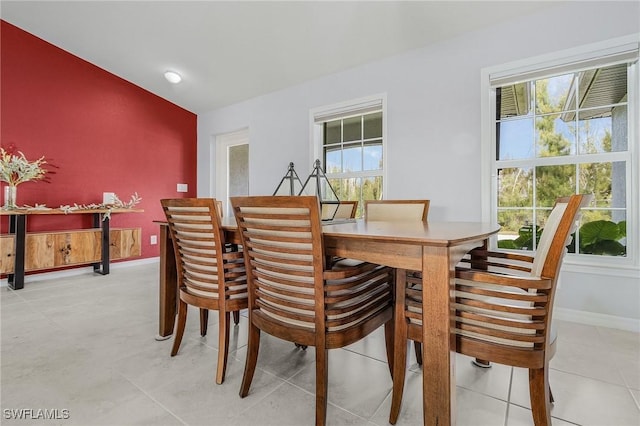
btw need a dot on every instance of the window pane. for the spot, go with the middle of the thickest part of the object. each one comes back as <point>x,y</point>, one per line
<point>514,100</point>
<point>603,86</point>
<point>607,181</point>
<point>373,125</point>
<point>343,188</point>
<point>553,182</point>
<point>515,139</point>
<point>333,159</point>
<point>332,132</point>
<point>596,135</point>
<point>352,157</point>
<point>552,94</point>
<point>372,188</point>
<point>373,155</point>
<point>352,128</point>
<point>516,230</point>
<point>515,187</point>
<point>554,136</point>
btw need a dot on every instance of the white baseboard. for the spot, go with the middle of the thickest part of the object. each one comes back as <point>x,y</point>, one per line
<point>81,271</point>
<point>601,320</point>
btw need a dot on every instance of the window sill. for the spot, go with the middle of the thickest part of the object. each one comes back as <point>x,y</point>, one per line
<point>606,267</point>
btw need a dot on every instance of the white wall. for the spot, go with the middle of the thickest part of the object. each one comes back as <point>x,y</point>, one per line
<point>433,124</point>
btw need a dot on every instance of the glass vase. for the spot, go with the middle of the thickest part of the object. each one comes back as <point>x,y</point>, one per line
<point>10,193</point>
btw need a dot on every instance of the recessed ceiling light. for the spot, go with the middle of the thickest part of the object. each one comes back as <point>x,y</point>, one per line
<point>173,77</point>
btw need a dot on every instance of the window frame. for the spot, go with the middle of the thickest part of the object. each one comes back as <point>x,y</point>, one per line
<point>586,56</point>
<point>360,106</point>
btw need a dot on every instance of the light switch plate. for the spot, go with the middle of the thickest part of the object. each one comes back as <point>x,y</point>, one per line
<point>183,187</point>
<point>108,197</point>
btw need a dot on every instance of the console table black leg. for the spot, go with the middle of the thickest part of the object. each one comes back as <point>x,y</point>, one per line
<point>103,266</point>
<point>18,227</point>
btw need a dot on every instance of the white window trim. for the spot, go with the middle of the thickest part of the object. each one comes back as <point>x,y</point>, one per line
<point>629,265</point>
<point>324,113</point>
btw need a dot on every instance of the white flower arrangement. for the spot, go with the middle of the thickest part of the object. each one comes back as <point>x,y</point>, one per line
<point>16,169</point>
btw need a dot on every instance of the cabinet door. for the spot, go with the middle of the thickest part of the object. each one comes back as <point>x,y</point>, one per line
<point>7,253</point>
<point>39,252</point>
<point>124,243</point>
<point>78,247</point>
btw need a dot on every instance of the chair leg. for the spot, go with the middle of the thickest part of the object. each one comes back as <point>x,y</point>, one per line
<point>236,317</point>
<point>223,346</point>
<point>417,346</point>
<point>399,373</point>
<point>179,331</point>
<point>322,378</point>
<point>399,347</point>
<point>253,345</point>
<point>204,320</point>
<point>389,336</point>
<point>539,394</point>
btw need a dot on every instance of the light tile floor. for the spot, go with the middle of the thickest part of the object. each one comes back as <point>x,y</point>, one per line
<point>86,344</point>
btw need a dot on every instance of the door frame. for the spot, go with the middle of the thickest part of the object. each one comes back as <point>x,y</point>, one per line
<point>222,143</point>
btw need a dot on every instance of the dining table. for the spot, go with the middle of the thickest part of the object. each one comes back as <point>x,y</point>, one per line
<point>433,248</point>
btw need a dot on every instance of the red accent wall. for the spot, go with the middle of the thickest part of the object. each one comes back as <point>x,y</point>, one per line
<point>103,133</point>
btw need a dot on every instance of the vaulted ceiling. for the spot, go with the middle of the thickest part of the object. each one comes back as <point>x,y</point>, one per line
<point>229,51</point>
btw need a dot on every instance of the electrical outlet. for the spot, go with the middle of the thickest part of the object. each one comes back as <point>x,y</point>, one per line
<point>154,239</point>
<point>183,187</point>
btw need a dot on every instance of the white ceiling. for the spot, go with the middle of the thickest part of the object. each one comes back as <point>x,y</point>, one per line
<point>229,51</point>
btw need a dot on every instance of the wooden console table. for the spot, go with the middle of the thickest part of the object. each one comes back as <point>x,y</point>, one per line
<point>22,251</point>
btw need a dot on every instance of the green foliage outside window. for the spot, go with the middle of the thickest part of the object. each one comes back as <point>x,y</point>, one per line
<point>601,237</point>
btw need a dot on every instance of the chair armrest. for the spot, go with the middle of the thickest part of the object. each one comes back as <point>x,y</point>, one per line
<point>482,259</point>
<point>506,280</point>
<point>341,271</point>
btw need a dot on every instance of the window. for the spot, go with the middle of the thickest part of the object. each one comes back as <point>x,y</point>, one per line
<point>565,129</point>
<point>349,140</point>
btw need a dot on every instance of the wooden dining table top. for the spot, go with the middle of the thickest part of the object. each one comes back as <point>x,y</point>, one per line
<point>432,233</point>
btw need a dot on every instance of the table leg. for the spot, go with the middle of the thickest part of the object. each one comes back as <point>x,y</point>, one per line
<point>439,344</point>
<point>438,368</point>
<point>168,285</point>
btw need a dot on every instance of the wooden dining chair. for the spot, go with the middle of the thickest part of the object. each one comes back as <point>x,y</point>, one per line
<point>503,308</point>
<point>346,210</point>
<point>210,276</point>
<point>295,297</point>
<point>399,210</point>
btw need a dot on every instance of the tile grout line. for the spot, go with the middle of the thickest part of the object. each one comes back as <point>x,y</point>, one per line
<point>506,415</point>
<point>154,399</point>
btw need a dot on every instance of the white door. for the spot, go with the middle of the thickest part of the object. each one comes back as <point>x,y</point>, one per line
<point>232,167</point>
